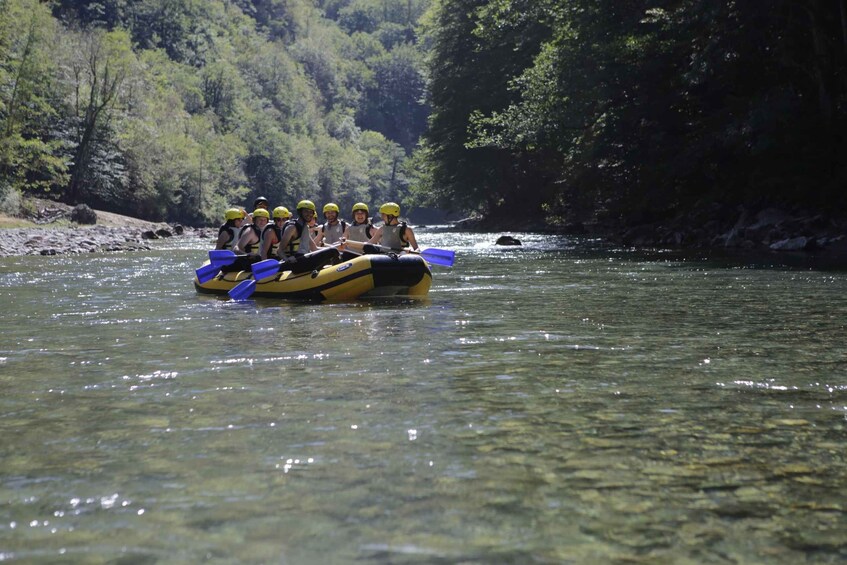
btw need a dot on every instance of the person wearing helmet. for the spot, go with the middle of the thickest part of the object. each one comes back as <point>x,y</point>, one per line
<point>261,202</point>
<point>295,234</point>
<point>251,234</point>
<point>228,233</point>
<point>272,234</point>
<point>298,250</point>
<point>333,231</point>
<point>393,233</point>
<point>361,229</point>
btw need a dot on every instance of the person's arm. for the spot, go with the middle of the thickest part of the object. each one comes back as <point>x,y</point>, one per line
<point>223,237</point>
<point>287,234</point>
<point>245,240</point>
<point>267,243</point>
<point>313,244</point>
<point>319,237</point>
<point>342,241</point>
<point>377,236</point>
<point>410,238</point>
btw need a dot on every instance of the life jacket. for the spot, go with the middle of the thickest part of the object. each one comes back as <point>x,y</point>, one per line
<point>298,244</point>
<point>333,232</point>
<point>251,246</point>
<point>233,232</point>
<point>392,236</point>
<point>360,232</point>
<point>275,229</point>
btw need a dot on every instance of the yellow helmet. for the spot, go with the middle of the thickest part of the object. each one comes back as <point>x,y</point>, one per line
<point>307,204</point>
<point>390,208</point>
<point>261,213</point>
<point>331,208</point>
<point>360,206</point>
<point>281,212</point>
<point>233,214</point>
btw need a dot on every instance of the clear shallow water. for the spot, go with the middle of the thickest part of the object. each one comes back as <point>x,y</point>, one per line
<point>555,403</point>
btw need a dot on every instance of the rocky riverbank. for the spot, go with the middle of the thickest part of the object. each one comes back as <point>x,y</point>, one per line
<point>87,239</point>
<point>712,226</point>
<point>57,232</point>
<point>770,228</point>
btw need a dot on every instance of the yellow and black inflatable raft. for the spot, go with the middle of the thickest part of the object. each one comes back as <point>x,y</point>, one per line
<point>364,276</point>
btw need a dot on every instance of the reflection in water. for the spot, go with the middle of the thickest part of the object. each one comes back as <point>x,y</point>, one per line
<point>558,402</point>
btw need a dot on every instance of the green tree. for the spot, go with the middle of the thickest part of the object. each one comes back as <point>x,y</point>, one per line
<point>98,68</point>
<point>28,90</point>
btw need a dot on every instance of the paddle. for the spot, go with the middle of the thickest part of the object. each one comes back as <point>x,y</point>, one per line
<point>442,257</point>
<point>217,258</point>
<point>243,290</point>
<point>266,268</point>
<point>207,272</point>
<point>222,257</point>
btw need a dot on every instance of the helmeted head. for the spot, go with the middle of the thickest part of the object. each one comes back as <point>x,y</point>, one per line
<point>303,208</point>
<point>261,217</point>
<point>233,214</point>
<point>331,211</point>
<point>360,212</point>
<point>281,213</point>
<point>391,209</point>
<point>261,202</point>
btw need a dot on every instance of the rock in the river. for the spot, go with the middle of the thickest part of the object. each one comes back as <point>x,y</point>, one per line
<point>507,240</point>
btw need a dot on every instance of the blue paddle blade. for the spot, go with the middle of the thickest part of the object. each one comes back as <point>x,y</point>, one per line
<point>265,269</point>
<point>221,257</point>
<point>443,257</point>
<point>243,290</point>
<point>206,273</point>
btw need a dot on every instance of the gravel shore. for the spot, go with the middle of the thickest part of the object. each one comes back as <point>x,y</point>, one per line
<point>87,239</point>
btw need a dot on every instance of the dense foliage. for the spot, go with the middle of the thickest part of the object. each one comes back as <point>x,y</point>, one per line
<point>177,109</point>
<point>590,109</point>
<point>633,111</point>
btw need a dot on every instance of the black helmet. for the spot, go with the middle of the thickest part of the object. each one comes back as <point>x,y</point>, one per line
<point>261,201</point>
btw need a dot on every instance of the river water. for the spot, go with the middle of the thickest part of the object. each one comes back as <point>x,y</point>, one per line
<point>561,402</point>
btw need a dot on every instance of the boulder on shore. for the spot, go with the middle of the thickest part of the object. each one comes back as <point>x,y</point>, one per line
<point>83,214</point>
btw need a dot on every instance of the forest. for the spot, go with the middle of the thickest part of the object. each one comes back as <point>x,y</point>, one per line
<point>528,111</point>
<point>177,109</point>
